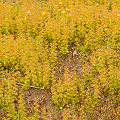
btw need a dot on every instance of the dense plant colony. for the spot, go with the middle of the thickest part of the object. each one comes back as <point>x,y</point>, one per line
<point>32,35</point>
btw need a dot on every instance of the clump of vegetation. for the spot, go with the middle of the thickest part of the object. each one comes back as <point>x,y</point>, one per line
<point>32,35</point>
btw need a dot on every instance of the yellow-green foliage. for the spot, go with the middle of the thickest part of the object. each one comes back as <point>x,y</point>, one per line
<point>36,116</point>
<point>22,111</point>
<point>8,94</point>
<point>106,62</point>
<point>32,32</point>
<point>65,91</point>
